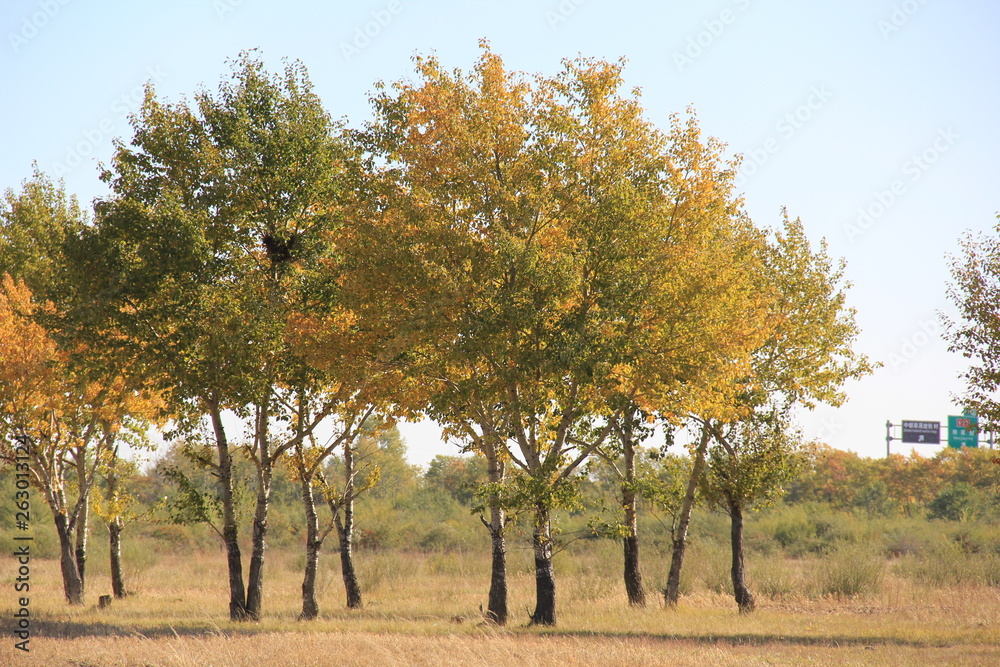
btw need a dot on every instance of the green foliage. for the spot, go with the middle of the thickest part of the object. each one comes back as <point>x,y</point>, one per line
<point>955,502</point>
<point>852,570</point>
<point>750,464</point>
<point>975,271</point>
<point>457,476</point>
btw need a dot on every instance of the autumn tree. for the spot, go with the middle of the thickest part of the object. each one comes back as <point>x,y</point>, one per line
<point>199,257</point>
<point>310,461</point>
<point>975,292</point>
<point>117,508</point>
<point>65,421</point>
<point>805,360</point>
<point>574,259</point>
<point>58,401</point>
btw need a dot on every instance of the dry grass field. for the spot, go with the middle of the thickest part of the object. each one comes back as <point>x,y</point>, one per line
<point>423,609</point>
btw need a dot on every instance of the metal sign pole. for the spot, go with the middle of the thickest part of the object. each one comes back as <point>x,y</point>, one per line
<point>888,436</point>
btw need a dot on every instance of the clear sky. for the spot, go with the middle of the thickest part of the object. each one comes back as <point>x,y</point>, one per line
<point>875,121</point>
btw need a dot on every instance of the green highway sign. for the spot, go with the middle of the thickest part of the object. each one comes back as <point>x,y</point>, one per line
<point>963,431</point>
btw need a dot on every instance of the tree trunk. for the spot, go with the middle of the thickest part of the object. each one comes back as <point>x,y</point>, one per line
<point>237,593</point>
<point>310,607</point>
<point>265,469</point>
<point>255,583</point>
<point>672,592</point>
<point>496,608</point>
<point>545,582</point>
<point>72,584</point>
<point>345,532</point>
<point>117,580</point>
<point>744,599</point>
<point>633,576</point>
<point>82,521</point>
<point>630,543</point>
<point>115,531</point>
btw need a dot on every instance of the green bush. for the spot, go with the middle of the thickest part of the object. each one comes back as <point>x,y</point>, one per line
<point>850,571</point>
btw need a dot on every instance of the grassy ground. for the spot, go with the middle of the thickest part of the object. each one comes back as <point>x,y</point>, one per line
<point>424,609</point>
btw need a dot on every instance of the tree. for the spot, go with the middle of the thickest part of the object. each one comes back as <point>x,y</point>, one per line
<point>975,291</point>
<point>556,241</point>
<point>62,406</point>
<point>805,360</point>
<point>200,258</point>
<point>456,476</point>
<point>747,469</point>
<point>309,460</point>
<point>63,421</point>
<point>117,507</point>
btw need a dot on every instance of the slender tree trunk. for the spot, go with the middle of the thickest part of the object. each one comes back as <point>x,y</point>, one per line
<point>72,584</point>
<point>115,532</point>
<point>496,608</point>
<point>83,521</point>
<point>630,543</point>
<point>545,581</point>
<point>255,583</point>
<point>672,592</point>
<point>744,599</point>
<point>345,532</point>
<point>237,592</point>
<point>117,580</point>
<point>310,607</point>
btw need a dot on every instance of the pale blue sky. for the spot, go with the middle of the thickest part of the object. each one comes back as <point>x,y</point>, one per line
<point>888,107</point>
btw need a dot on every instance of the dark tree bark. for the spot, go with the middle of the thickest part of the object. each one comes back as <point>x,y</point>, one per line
<point>672,592</point>
<point>265,469</point>
<point>744,599</point>
<point>230,535</point>
<point>117,579</point>
<point>255,582</point>
<point>630,543</point>
<point>72,584</point>
<point>496,607</point>
<point>545,582</point>
<point>633,576</point>
<point>310,607</point>
<point>345,532</point>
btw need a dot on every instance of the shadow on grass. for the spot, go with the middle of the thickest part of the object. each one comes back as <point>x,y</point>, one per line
<point>77,630</point>
<point>746,639</point>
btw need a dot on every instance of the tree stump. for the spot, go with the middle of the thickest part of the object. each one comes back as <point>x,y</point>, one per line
<point>104,602</point>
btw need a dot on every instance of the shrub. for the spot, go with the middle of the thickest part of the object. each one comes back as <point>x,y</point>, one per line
<point>955,503</point>
<point>852,570</point>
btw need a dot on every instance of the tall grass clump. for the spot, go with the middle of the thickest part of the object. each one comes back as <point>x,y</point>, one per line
<point>850,571</point>
<point>950,565</point>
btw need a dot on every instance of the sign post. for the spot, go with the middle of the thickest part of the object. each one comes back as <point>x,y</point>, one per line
<point>921,432</point>
<point>963,431</point>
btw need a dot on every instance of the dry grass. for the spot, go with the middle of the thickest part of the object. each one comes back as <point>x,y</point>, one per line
<point>424,609</point>
<point>360,648</point>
